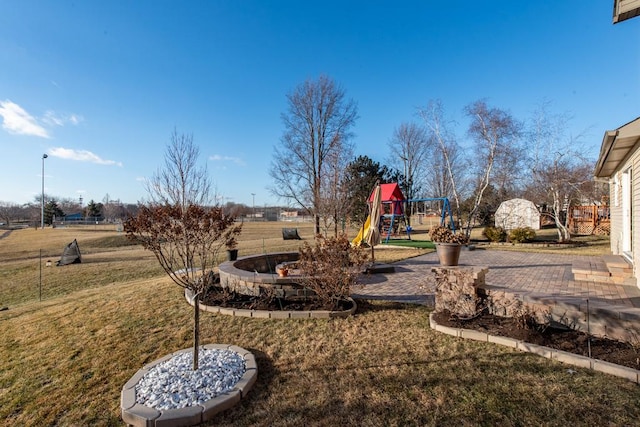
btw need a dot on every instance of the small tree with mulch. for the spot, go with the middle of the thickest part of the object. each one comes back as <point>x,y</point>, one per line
<point>186,243</point>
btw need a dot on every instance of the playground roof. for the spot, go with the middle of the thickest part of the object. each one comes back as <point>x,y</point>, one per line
<point>390,193</point>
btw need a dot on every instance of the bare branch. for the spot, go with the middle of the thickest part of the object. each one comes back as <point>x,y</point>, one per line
<point>182,181</point>
<point>318,125</point>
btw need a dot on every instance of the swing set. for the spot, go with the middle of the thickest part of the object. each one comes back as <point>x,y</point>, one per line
<point>392,213</point>
<point>445,212</point>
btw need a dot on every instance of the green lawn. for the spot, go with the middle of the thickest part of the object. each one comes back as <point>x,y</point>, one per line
<point>422,244</point>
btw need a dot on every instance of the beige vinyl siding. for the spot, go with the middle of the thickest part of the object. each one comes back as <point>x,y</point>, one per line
<point>616,208</point>
<point>616,212</point>
<point>625,6</point>
<point>625,9</point>
<point>635,218</point>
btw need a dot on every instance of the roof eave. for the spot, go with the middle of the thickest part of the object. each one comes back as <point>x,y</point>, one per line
<point>607,144</point>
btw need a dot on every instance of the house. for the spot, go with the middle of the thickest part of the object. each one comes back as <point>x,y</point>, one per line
<point>625,9</point>
<point>619,165</point>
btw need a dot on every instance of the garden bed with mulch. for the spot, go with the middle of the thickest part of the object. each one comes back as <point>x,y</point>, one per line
<point>235,300</point>
<point>554,336</point>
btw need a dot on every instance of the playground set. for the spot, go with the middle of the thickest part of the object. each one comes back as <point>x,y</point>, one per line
<point>393,213</point>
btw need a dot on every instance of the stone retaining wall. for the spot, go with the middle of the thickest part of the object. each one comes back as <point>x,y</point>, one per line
<point>457,289</point>
<point>463,290</point>
<point>279,314</point>
<point>250,275</point>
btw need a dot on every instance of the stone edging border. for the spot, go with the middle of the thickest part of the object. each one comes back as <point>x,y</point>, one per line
<point>135,414</point>
<point>534,245</point>
<point>549,353</point>
<point>267,314</point>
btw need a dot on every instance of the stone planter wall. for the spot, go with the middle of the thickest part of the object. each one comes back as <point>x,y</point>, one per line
<point>280,314</point>
<point>457,289</point>
<point>249,275</point>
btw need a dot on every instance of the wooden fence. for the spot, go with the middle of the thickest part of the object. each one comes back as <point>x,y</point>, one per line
<point>594,219</point>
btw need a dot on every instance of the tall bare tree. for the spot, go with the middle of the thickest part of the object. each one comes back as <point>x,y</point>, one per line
<point>334,203</point>
<point>561,175</point>
<point>318,125</point>
<point>494,132</point>
<point>182,181</point>
<point>409,147</point>
<point>447,169</point>
<point>184,235</point>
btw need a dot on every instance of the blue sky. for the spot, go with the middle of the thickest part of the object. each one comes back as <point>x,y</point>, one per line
<point>100,86</point>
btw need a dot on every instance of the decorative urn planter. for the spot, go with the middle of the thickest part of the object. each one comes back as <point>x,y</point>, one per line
<point>448,245</point>
<point>448,253</point>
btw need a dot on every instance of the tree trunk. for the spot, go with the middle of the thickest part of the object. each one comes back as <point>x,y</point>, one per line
<point>563,230</point>
<point>196,329</point>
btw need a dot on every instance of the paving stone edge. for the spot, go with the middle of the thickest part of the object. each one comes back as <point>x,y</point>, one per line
<point>135,414</point>
<point>267,314</point>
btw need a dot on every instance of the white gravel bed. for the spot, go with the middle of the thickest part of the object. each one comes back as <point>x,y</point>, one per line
<point>174,384</point>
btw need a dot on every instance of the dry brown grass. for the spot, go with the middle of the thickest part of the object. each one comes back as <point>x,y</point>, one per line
<point>588,245</point>
<point>65,359</point>
<point>108,257</point>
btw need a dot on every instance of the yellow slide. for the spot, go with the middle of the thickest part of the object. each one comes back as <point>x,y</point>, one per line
<point>363,232</point>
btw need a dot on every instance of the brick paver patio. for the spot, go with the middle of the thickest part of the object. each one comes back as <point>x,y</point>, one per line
<point>523,273</point>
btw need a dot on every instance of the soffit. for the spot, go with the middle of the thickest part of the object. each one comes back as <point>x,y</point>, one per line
<point>616,147</point>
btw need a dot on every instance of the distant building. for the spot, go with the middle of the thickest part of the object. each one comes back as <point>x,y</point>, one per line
<point>73,217</point>
<point>517,213</point>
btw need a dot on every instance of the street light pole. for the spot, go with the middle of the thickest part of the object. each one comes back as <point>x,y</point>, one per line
<point>254,205</point>
<point>44,156</point>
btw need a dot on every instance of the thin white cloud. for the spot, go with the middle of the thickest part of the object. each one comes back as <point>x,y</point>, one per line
<point>218,158</point>
<point>81,156</point>
<point>16,120</point>
<point>56,119</point>
<point>75,119</point>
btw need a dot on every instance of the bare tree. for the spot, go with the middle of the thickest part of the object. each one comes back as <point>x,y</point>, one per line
<point>9,212</point>
<point>446,165</point>
<point>560,173</point>
<point>67,204</point>
<point>493,132</point>
<point>184,236</point>
<point>318,125</point>
<point>181,181</point>
<point>409,147</point>
<point>114,209</point>
<point>334,203</point>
